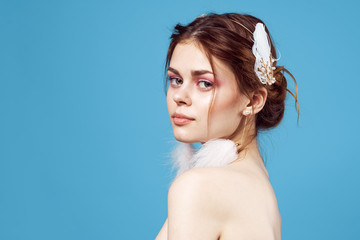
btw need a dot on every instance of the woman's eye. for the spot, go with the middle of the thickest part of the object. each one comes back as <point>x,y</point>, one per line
<point>205,84</point>
<point>175,81</point>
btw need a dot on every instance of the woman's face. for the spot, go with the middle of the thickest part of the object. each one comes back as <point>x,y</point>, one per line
<point>190,92</point>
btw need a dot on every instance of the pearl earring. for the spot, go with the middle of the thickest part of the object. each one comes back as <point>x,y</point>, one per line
<point>247,111</point>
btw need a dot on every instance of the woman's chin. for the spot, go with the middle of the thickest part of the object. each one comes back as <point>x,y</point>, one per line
<point>188,138</point>
<point>184,139</point>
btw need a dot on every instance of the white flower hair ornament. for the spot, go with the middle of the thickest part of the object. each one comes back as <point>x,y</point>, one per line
<point>262,51</point>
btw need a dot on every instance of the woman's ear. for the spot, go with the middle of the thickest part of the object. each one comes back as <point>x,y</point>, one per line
<point>258,99</point>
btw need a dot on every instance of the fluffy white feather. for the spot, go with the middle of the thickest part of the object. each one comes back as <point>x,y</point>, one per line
<point>262,52</point>
<point>213,153</point>
<point>261,47</point>
<point>181,157</point>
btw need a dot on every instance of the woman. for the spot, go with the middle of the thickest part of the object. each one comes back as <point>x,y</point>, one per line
<point>224,87</point>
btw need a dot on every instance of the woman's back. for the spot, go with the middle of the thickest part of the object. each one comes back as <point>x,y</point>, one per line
<point>238,199</point>
<point>252,203</point>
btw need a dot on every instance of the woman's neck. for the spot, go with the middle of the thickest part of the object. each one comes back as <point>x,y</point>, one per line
<point>251,154</point>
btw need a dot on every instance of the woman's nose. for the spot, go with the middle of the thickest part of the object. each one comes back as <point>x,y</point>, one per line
<point>182,96</point>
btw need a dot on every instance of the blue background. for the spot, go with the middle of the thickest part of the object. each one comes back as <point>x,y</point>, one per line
<point>84,130</point>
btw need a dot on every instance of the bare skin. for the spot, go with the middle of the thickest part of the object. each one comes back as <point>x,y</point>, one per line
<point>246,208</point>
<point>231,202</point>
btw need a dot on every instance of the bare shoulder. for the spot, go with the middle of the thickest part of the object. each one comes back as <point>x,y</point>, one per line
<point>230,201</point>
<point>225,187</point>
<point>194,209</point>
<point>203,185</point>
<point>197,185</point>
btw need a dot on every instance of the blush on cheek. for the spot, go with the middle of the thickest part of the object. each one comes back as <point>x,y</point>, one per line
<point>218,82</point>
<point>224,107</point>
<point>226,101</point>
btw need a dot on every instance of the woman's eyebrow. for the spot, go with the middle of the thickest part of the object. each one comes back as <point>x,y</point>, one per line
<point>200,72</point>
<point>193,72</point>
<point>173,70</point>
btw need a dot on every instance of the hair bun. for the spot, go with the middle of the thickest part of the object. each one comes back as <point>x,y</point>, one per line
<point>273,111</point>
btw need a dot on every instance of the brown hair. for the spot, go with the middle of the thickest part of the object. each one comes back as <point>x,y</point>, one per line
<point>228,37</point>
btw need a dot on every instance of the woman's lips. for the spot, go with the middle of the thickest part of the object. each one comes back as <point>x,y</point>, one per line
<point>181,121</point>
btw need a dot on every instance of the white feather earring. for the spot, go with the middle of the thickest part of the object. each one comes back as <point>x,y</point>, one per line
<point>213,153</point>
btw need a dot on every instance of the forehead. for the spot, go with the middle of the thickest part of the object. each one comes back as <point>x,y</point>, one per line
<point>189,56</point>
